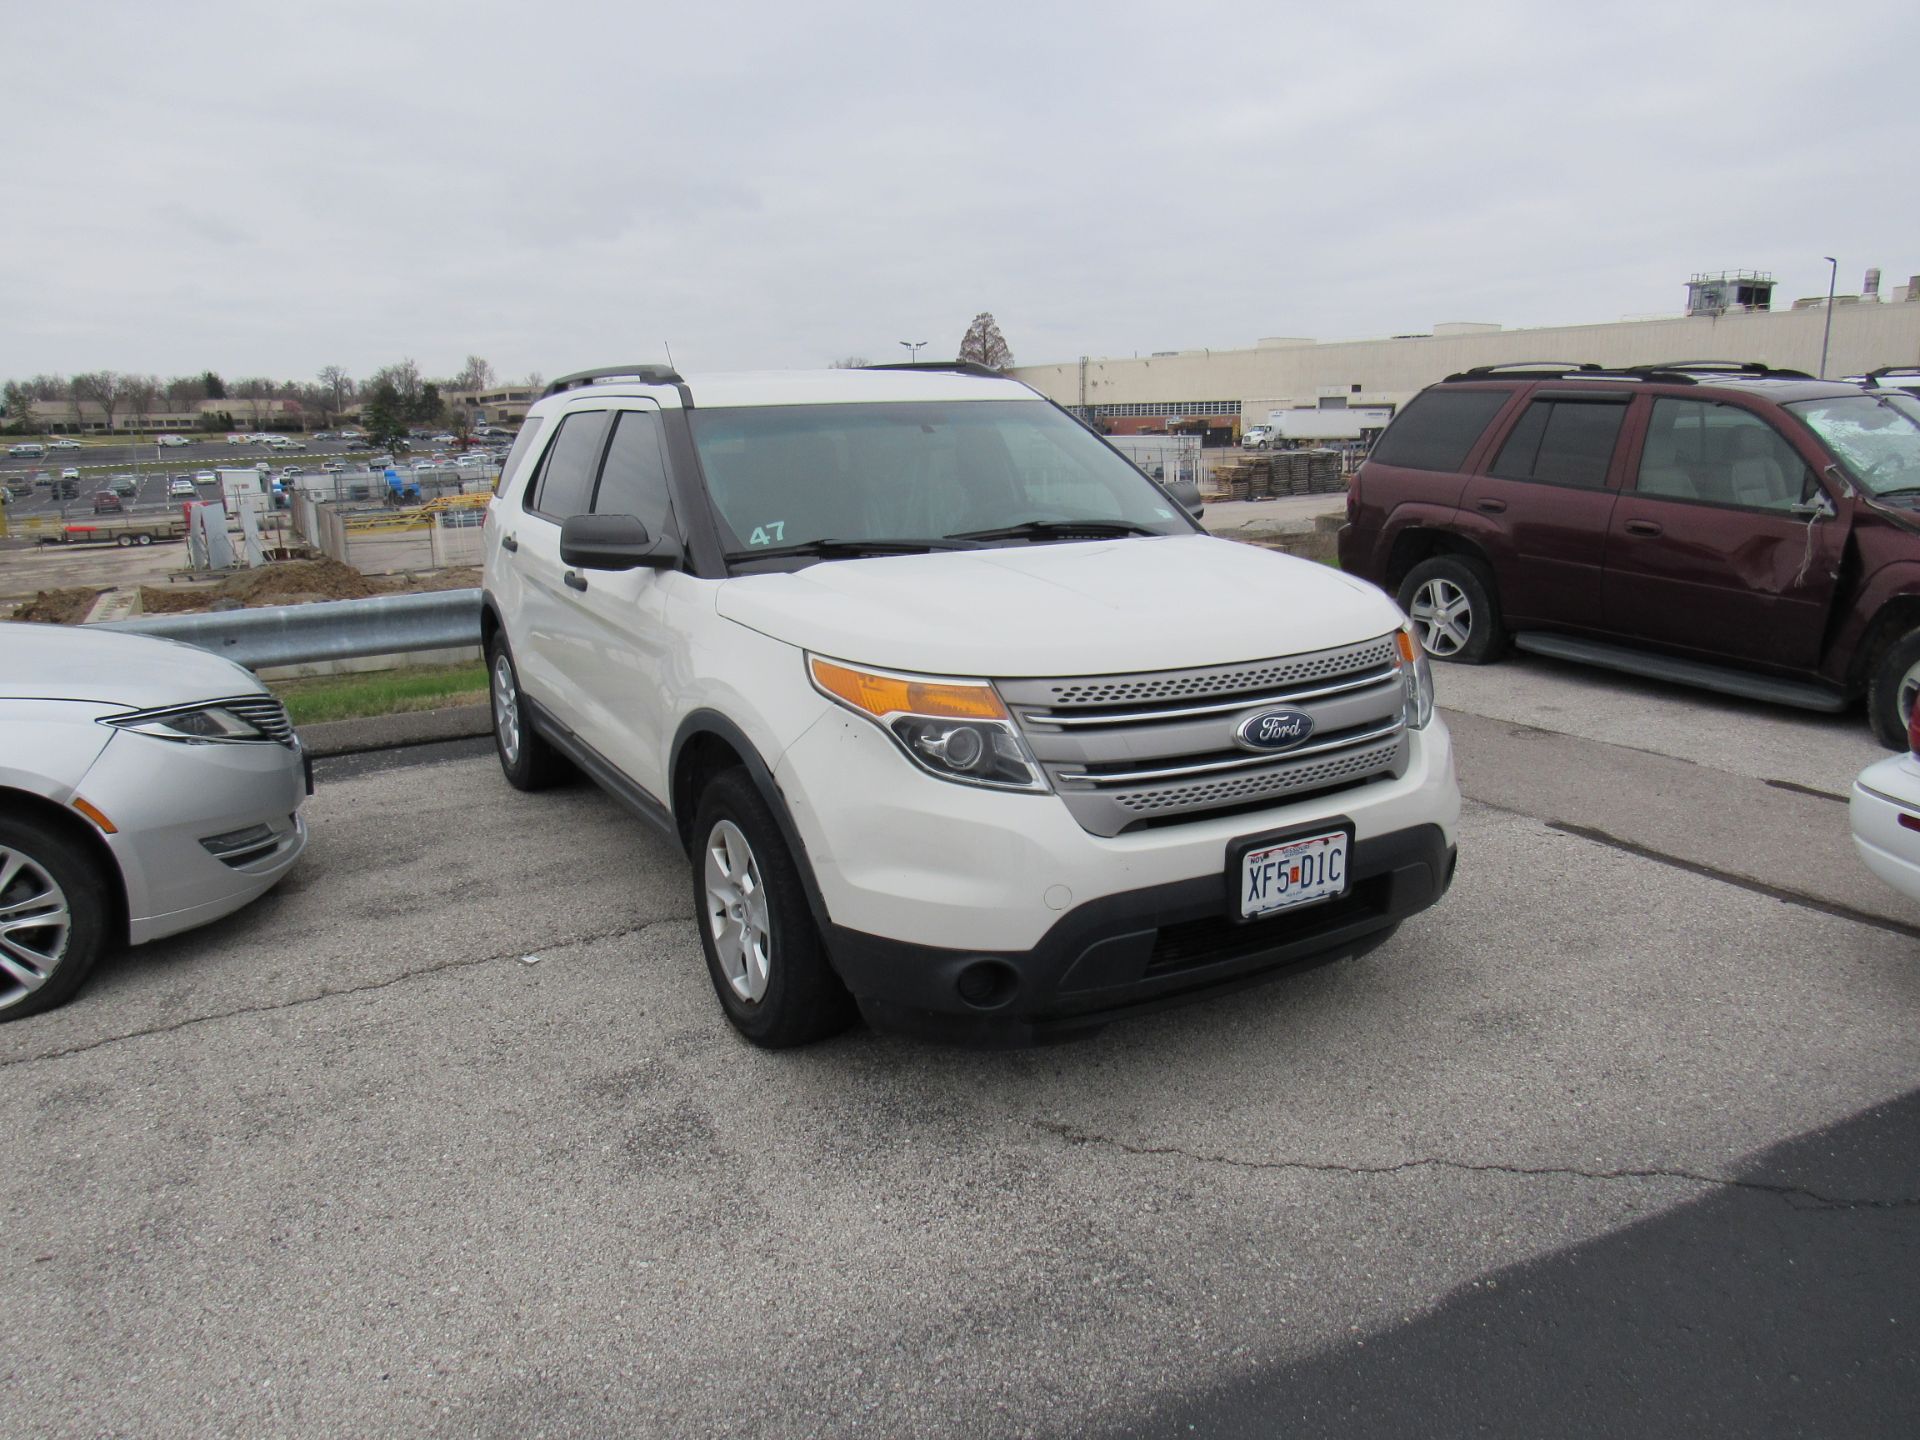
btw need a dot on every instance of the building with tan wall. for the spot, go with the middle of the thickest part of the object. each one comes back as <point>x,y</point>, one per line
<point>1238,387</point>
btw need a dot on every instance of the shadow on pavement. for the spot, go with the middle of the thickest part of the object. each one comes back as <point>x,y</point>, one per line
<point>1785,1304</point>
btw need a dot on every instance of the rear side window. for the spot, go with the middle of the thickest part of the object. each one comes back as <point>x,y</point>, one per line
<point>516,460</point>
<point>1437,430</point>
<point>634,481</point>
<point>565,483</point>
<point>1562,442</point>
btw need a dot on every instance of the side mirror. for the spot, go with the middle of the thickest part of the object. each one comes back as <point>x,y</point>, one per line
<point>614,542</point>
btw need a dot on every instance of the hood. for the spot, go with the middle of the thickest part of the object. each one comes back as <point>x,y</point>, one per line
<point>1086,608</point>
<point>71,662</point>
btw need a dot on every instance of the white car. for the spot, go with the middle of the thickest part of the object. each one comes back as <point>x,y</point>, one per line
<point>70,473</point>
<point>907,664</point>
<point>180,485</point>
<point>65,445</point>
<point>1885,813</point>
<point>205,477</point>
<point>239,439</point>
<point>149,787</point>
<point>172,441</point>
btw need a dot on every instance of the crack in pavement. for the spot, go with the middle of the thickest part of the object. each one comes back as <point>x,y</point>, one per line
<point>1793,1194</point>
<point>371,985</point>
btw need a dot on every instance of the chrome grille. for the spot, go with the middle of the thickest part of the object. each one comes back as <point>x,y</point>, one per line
<point>264,713</point>
<point>1129,750</point>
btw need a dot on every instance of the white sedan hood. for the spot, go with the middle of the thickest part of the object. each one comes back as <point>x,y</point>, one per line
<point>1086,608</point>
<point>72,662</point>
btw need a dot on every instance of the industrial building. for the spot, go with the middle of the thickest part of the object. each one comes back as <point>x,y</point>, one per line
<point>1730,318</point>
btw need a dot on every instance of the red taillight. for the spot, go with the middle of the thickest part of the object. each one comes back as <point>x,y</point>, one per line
<point>1913,728</point>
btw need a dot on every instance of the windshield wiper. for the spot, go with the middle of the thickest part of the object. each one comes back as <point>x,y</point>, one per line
<point>1897,490</point>
<point>833,549</point>
<point>1058,530</point>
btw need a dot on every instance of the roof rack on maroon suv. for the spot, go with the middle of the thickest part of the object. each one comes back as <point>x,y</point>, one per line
<point>1673,372</point>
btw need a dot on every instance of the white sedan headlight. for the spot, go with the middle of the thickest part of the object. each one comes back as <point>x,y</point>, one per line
<point>195,724</point>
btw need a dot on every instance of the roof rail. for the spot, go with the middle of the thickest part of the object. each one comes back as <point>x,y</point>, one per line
<point>951,367</point>
<point>1557,367</point>
<point>1873,378</point>
<point>1679,372</point>
<point>645,374</point>
<point>1725,367</point>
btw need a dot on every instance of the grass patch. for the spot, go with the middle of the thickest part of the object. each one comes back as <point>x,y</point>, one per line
<point>381,692</point>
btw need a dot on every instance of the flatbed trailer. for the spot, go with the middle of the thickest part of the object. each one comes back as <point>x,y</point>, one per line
<point>122,530</point>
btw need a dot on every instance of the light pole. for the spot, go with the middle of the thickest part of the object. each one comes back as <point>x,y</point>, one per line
<point>1833,276</point>
<point>914,347</point>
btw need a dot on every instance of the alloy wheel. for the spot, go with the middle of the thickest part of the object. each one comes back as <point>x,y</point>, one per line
<point>737,912</point>
<point>35,922</point>
<point>1444,617</point>
<point>506,708</point>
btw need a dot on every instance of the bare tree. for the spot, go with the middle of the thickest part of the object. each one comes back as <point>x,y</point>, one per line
<point>185,392</point>
<point>850,362</point>
<point>103,388</point>
<point>536,382</point>
<point>140,392</point>
<point>340,385</point>
<point>254,393</point>
<point>476,374</point>
<point>404,377</point>
<point>460,422</point>
<point>984,345</point>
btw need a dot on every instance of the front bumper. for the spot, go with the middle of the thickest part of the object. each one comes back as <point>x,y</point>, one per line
<point>1137,951</point>
<point>166,798</point>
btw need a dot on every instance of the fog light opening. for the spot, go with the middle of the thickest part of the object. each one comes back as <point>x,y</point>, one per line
<point>986,984</point>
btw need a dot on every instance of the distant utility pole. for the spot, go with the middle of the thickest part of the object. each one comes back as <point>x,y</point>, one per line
<point>914,347</point>
<point>1833,275</point>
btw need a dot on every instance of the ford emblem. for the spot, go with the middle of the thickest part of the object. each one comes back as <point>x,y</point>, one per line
<point>1274,729</point>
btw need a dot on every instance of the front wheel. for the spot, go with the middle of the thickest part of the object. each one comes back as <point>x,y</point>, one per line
<point>1891,691</point>
<point>763,950</point>
<point>53,918</point>
<point>1455,610</point>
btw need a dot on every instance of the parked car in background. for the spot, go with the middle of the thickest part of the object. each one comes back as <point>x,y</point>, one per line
<point>124,485</point>
<point>105,502</point>
<point>1884,811</point>
<point>70,473</point>
<point>1749,530</point>
<point>181,485</point>
<point>205,477</point>
<point>146,787</point>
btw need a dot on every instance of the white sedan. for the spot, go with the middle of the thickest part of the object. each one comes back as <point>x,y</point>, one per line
<point>1885,811</point>
<point>149,787</point>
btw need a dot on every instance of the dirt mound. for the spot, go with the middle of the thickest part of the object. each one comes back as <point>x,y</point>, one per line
<point>59,607</point>
<point>298,582</point>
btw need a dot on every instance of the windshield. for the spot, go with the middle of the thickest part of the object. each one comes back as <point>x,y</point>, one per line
<point>1877,438</point>
<point>789,475</point>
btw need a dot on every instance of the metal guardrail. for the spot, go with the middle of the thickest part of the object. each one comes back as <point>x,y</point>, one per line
<point>325,630</point>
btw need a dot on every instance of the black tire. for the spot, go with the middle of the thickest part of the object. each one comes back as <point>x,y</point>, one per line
<point>37,860</point>
<point>526,759</point>
<point>800,999</point>
<point>143,539</point>
<point>1466,581</point>
<point>1890,690</point>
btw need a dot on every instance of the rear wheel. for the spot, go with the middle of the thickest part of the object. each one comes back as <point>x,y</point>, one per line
<point>763,950</point>
<point>53,918</point>
<point>1454,609</point>
<point>526,758</point>
<point>1892,689</point>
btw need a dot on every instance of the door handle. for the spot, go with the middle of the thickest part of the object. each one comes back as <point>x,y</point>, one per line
<point>1490,505</point>
<point>1641,527</point>
<point>509,544</point>
<point>574,580</point>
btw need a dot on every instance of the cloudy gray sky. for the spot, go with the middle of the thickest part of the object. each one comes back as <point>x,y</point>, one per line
<point>270,189</point>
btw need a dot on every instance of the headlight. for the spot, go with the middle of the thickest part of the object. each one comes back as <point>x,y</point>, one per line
<point>196,724</point>
<point>1416,674</point>
<point>955,729</point>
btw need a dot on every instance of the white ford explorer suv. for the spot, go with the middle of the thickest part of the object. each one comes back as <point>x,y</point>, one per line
<point>960,719</point>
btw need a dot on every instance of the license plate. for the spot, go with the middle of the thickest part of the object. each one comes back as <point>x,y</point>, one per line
<point>1294,872</point>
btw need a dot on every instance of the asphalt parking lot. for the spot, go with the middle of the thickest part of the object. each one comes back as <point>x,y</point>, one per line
<point>447,1136</point>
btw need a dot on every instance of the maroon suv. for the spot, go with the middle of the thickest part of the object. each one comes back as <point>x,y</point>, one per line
<point>1750,530</point>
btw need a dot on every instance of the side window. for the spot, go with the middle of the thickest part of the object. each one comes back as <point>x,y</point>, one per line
<point>1562,442</point>
<point>1698,450</point>
<point>634,481</point>
<point>1438,428</point>
<point>516,460</point>
<point>565,483</point>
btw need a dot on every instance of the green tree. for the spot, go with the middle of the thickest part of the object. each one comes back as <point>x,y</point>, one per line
<point>430,409</point>
<point>383,414</point>
<point>216,387</point>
